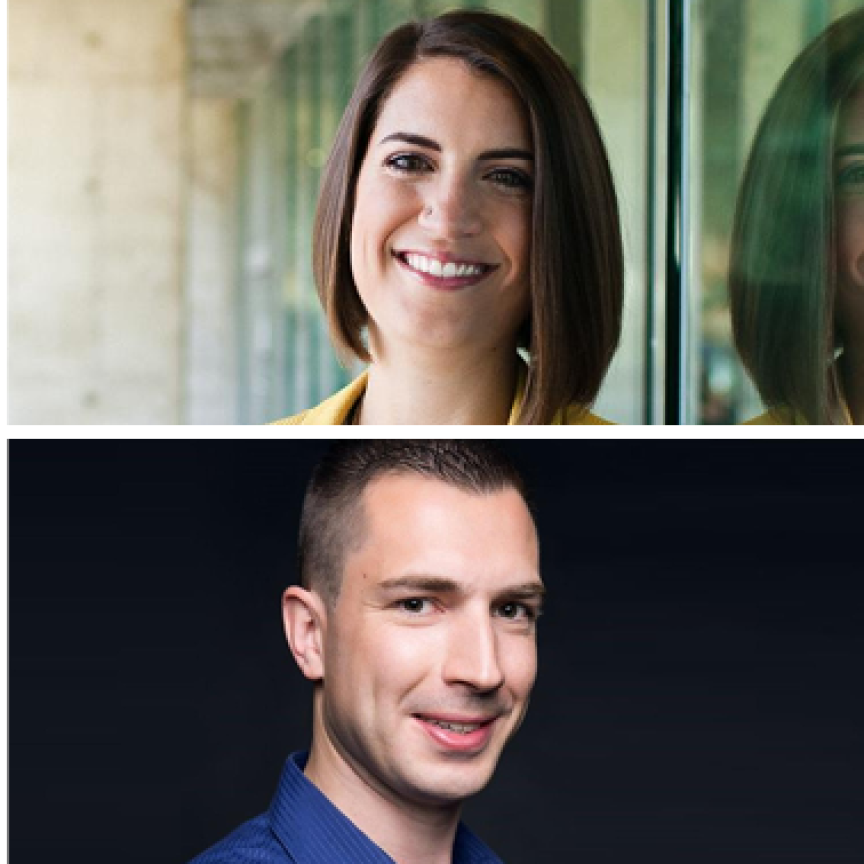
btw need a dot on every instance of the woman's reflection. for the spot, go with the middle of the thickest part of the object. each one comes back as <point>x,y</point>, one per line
<point>797,259</point>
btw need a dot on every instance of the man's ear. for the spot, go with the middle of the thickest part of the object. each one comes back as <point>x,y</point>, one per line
<point>305,618</point>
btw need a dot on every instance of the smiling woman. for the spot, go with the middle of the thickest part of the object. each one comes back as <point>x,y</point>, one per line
<point>467,210</point>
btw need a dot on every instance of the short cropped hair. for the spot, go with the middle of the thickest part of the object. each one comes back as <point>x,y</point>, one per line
<point>576,271</point>
<point>332,520</point>
<point>783,257</point>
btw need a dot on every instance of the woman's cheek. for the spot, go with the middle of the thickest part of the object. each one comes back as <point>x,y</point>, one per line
<point>851,251</point>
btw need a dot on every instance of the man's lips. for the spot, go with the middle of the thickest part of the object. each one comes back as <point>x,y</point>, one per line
<point>460,733</point>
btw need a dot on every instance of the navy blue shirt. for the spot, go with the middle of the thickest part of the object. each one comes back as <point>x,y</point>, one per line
<point>303,827</point>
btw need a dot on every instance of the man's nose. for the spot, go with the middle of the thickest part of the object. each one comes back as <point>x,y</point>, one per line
<point>450,210</point>
<point>473,655</point>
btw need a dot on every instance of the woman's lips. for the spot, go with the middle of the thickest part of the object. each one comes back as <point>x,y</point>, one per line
<point>464,738</point>
<point>449,282</point>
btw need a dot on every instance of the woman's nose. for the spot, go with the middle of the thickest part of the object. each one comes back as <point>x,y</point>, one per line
<point>449,209</point>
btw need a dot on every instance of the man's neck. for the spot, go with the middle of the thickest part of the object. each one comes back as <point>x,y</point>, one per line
<point>408,832</point>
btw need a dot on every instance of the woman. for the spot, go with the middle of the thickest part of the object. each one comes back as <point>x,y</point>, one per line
<point>467,210</point>
<point>797,258</point>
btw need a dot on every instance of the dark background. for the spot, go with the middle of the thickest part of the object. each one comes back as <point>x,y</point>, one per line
<point>700,690</point>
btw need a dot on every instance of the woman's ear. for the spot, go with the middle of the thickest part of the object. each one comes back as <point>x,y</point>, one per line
<point>305,619</point>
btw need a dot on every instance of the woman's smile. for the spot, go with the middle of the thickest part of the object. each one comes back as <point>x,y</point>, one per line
<point>443,272</point>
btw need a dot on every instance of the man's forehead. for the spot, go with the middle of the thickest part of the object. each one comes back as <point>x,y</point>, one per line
<point>424,528</point>
<point>409,483</point>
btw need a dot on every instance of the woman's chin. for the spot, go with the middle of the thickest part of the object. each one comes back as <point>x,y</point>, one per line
<point>448,334</point>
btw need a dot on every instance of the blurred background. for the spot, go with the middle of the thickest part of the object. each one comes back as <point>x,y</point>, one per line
<point>164,159</point>
<point>695,703</point>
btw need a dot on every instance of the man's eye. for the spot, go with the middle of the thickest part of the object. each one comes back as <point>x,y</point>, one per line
<point>407,163</point>
<point>516,611</point>
<point>415,605</point>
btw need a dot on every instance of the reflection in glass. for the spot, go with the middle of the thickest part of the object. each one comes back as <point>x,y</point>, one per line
<point>796,275</point>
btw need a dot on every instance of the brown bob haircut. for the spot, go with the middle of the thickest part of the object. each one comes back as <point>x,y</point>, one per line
<point>332,520</point>
<point>576,267</point>
<point>783,262</point>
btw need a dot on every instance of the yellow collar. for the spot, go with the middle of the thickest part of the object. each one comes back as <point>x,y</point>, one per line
<point>336,410</point>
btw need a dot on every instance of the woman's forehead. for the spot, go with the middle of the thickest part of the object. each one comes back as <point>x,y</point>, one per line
<point>850,131</point>
<point>439,95</point>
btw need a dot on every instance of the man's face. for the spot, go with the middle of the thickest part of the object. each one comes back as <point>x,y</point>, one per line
<point>430,651</point>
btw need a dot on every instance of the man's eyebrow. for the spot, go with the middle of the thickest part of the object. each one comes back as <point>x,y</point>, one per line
<point>429,144</point>
<point>851,150</point>
<point>420,583</point>
<point>526,591</point>
<point>440,585</point>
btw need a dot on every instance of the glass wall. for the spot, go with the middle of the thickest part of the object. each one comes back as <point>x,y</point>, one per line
<point>729,56</point>
<point>286,362</point>
<point>738,52</point>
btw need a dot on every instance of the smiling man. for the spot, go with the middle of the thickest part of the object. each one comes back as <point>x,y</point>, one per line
<point>415,619</point>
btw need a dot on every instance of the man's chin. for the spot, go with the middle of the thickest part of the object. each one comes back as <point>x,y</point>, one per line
<point>451,785</point>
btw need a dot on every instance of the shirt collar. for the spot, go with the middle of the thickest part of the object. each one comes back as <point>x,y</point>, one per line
<point>312,830</point>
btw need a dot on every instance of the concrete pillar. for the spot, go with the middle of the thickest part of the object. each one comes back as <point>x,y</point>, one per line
<point>96,222</point>
<point>210,314</point>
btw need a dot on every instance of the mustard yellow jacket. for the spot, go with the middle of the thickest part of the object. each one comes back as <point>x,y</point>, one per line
<point>775,417</point>
<point>336,410</point>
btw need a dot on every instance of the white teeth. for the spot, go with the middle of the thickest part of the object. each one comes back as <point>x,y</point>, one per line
<point>461,728</point>
<point>446,271</point>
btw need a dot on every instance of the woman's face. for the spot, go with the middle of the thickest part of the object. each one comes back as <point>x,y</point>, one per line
<point>849,162</point>
<point>441,231</point>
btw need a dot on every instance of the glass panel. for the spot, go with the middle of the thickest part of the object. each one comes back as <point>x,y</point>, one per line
<point>287,363</point>
<point>614,59</point>
<point>740,50</point>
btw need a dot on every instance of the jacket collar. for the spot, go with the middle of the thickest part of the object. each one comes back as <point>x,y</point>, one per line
<point>335,410</point>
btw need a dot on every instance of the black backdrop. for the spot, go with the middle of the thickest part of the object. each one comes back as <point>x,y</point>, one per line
<point>700,689</point>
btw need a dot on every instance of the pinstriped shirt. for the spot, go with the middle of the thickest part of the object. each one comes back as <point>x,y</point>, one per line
<point>303,827</point>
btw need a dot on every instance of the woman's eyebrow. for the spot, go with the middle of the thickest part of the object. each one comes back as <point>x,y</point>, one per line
<point>851,150</point>
<point>410,138</point>
<point>507,153</point>
<point>429,144</point>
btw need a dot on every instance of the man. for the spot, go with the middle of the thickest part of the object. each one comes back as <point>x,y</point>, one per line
<point>415,619</point>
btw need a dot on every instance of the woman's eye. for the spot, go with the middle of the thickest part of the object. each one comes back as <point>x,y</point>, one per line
<point>851,176</point>
<point>509,178</point>
<point>408,163</point>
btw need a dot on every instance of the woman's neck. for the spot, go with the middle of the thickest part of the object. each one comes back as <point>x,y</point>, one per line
<point>419,387</point>
<point>852,372</point>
